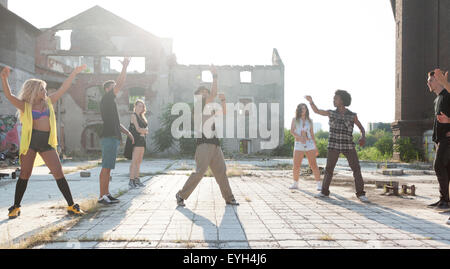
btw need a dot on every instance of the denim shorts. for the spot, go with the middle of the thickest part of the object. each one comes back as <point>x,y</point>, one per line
<point>110,146</point>
<point>308,146</point>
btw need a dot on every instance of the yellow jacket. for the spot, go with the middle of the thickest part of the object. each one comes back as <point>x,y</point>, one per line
<point>26,118</point>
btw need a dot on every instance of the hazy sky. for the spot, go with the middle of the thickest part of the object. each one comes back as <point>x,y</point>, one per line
<point>324,44</point>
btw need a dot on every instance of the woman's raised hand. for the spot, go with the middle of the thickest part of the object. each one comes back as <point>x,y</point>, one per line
<point>5,73</point>
<point>80,69</point>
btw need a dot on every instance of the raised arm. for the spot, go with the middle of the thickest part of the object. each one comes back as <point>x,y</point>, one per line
<point>19,104</point>
<point>442,79</point>
<point>67,83</point>
<point>123,75</point>
<point>213,93</point>
<point>362,140</point>
<point>314,107</point>
<point>223,104</point>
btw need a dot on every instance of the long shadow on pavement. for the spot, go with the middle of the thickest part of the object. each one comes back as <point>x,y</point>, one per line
<point>102,225</point>
<point>212,232</point>
<point>417,225</point>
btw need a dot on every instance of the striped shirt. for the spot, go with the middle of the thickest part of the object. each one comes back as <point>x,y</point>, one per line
<point>341,130</point>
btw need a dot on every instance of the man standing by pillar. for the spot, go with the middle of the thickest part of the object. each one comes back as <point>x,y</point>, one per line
<point>441,136</point>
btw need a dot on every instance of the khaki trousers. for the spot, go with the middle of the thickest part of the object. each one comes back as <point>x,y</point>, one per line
<point>212,156</point>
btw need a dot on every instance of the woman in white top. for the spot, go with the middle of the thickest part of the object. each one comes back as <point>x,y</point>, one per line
<point>305,144</point>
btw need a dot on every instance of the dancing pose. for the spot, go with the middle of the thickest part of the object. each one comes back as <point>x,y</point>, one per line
<point>39,135</point>
<point>305,144</point>
<point>208,152</point>
<point>111,135</point>
<point>138,128</point>
<point>341,123</point>
<point>441,136</point>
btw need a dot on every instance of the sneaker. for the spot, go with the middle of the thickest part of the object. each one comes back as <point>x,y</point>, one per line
<point>448,221</point>
<point>363,199</point>
<point>434,204</point>
<point>232,202</point>
<point>180,201</point>
<point>132,184</point>
<point>138,183</point>
<point>443,206</point>
<point>14,212</point>
<point>319,186</point>
<point>112,199</point>
<point>294,186</point>
<point>75,210</point>
<point>104,200</point>
<point>320,195</point>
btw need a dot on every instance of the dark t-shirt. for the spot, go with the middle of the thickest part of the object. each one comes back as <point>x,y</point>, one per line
<point>441,104</point>
<point>204,140</point>
<point>110,116</point>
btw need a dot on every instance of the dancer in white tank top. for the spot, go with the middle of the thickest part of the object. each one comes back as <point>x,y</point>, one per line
<point>305,144</point>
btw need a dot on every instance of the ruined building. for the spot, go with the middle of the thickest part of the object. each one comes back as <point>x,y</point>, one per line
<point>422,44</point>
<point>154,76</point>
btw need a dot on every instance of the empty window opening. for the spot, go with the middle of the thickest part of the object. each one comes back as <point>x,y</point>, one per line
<point>65,64</point>
<point>63,37</point>
<point>207,76</point>
<point>135,94</point>
<point>113,65</point>
<point>246,77</point>
<point>94,96</point>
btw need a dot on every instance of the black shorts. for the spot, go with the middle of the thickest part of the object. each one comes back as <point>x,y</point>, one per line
<point>140,142</point>
<point>39,141</point>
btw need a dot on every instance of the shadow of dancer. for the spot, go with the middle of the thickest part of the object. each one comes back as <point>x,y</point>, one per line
<point>230,229</point>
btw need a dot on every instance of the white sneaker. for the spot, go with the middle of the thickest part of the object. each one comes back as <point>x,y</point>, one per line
<point>294,186</point>
<point>363,199</point>
<point>319,186</point>
<point>104,200</point>
<point>320,195</point>
<point>448,221</point>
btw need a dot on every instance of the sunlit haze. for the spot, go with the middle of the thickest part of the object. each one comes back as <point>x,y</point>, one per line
<point>325,45</point>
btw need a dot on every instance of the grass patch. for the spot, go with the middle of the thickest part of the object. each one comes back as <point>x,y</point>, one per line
<point>326,237</point>
<point>89,206</point>
<point>48,235</point>
<point>248,199</point>
<point>281,166</point>
<point>184,167</point>
<point>232,171</point>
<point>79,168</point>
<point>168,166</point>
<point>43,237</point>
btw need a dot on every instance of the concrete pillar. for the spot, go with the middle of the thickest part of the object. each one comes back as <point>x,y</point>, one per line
<point>4,3</point>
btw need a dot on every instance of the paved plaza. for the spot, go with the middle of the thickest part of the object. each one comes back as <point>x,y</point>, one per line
<point>269,216</point>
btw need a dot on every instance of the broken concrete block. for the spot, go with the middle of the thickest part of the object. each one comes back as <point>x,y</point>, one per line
<point>85,174</point>
<point>393,172</point>
<point>386,166</point>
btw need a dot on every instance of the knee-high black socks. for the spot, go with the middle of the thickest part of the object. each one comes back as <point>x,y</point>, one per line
<point>64,188</point>
<point>21,186</point>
